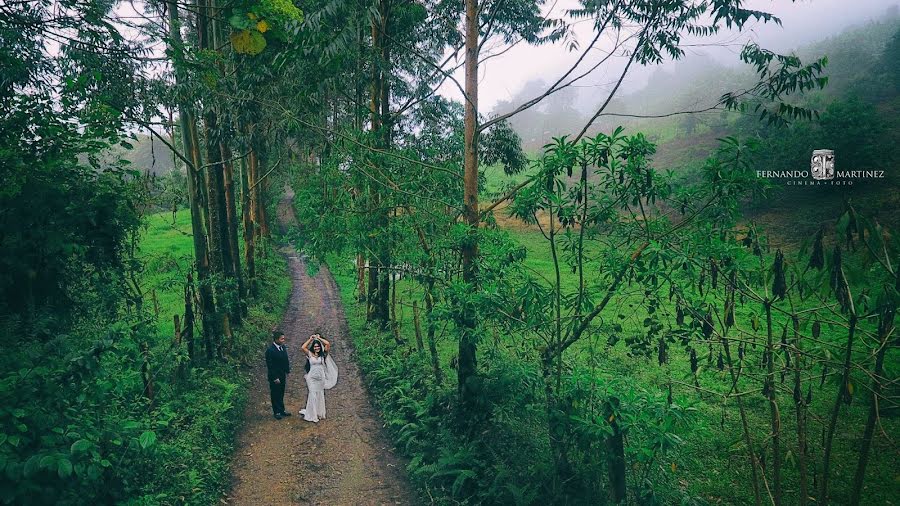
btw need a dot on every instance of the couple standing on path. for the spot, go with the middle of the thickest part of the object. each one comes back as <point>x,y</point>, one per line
<point>321,374</point>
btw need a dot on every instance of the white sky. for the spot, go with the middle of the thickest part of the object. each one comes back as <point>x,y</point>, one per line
<point>803,21</point>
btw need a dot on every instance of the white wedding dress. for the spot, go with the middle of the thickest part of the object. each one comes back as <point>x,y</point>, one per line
<point>322,376</point>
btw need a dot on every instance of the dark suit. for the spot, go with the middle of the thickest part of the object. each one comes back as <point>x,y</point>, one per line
<point>278,367</point>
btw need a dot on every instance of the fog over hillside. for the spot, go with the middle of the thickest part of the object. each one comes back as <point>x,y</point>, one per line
<point>695,82</point>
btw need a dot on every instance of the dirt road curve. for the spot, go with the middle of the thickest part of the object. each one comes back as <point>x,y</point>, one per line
<point>343,460</point>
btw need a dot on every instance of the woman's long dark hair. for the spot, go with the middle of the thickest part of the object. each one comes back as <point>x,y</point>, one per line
<point>312,349</point>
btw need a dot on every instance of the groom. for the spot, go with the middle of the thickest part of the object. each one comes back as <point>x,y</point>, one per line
<point>278,367</point>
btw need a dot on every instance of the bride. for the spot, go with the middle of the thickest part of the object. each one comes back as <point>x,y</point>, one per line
<point>321,375</point>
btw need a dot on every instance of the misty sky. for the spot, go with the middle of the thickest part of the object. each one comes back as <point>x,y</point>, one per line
<point>804,21</point>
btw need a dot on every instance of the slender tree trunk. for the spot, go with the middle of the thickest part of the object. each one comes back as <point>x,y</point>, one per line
<point>886,330</point>
<point>188,332</point>
<point>379,108</point>
<point>745,426</point>
<point>467,359</point>
<point>360,277</point>
<point>558,428</point>
<point>615,454</point>
<point>774,414</point>
<point>254,166</point>
<point>835,411</point>
<point>247,168</point>
<point>234,253</point>
<point>394,320</point>
<point>373,290</point>
<point>420,343</point>
<point>191,144</point>
<point>800,408</point>
<point>429,320</point>
<point>262,192</point>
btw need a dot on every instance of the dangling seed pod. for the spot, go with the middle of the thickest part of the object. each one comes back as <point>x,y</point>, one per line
<point>708,324</point>
<point>817,258</point>
<point>729,312</point>
<point>851,227</point>
<point>824,374</point>
<point>808,394</point>
<point>649,177</point>
<point>816,329</point>
<point>754,323</point>
<point>779,285</point>
<point>693,361</point>
<point>835,267</point>
<point>714,273</point>
<point>784,337</point>
<point>838,283</point>
<point>721,362</point>
<point>679,315</point>
<point>662,351</point>
<point>782,377</point>
<point>741,351</point>
<point>622,176</point>
<point>702,281</point>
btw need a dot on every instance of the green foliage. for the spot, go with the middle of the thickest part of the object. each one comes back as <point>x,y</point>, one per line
<point>76,427</point>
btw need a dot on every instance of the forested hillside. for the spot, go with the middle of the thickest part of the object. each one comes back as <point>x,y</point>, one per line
<point>602,310</point>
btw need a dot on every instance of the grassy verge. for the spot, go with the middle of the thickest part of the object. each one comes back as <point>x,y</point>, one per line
<point>197,410</point>
<point>708,465</point>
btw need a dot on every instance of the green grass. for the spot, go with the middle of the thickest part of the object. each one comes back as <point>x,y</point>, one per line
<point>711,463</point>
<point>198,415</point>
<point>167,251</point>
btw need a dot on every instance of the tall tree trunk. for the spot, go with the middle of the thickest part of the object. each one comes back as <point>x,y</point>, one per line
<point>379,108</point>
<point>885,333</point>
<point>835,411</point>
<point>359,118</point>
<point>372,290</point>
<point>429,321</point>
<point>615,454</point>
<point>231,220</point>
<point>467,365</point>
<point>800,408</point>
<point>191,143</point>
<point>262,193</point>
<point>360,277</point>
<point>755,466</point>
<point>220,264</point>
<point>774,414</point>
<point>248,167</point>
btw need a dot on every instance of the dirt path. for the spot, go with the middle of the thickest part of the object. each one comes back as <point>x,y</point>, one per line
<point>343,460</point>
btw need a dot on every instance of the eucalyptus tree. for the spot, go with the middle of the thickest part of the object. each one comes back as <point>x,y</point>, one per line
<point>644,33</point>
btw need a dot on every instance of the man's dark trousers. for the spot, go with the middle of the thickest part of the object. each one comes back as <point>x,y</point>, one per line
<point>278,368</point>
